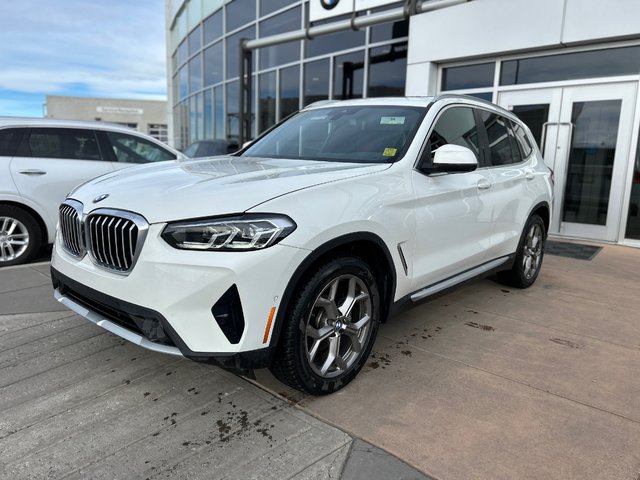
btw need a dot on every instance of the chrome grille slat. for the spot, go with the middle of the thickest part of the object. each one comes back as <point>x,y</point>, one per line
<point>70,214</point>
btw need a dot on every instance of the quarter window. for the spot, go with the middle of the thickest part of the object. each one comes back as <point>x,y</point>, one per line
<point>131,149</point>
<point>503,148</point>
<point>523,140</point>
<point>74,144</point>
<point>455,126</point>
<point>9,140</point>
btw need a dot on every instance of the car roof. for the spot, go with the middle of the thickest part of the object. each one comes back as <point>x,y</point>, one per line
<point>56,122</point>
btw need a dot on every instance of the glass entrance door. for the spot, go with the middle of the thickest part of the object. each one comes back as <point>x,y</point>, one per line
<point>584,134</point>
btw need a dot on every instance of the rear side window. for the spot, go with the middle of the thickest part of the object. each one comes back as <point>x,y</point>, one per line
<point>503,146</point>
<point>132,149</point>
<point>523,140</point>
<point>457,126</point>
<point>9,141</point>
<point>69,143</point>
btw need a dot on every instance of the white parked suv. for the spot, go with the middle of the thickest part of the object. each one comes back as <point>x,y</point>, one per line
<point>290,253</point>
<point>41,160</point>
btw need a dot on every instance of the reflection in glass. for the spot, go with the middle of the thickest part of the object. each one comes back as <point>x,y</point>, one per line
<point>195,41</point>
<point>534,117</point>
<point>468,76</point>
<point>348,71</point>
<point>569,66</point>
<point>387,31</point>
<point>456,126</point>
<point>286,52</point>
<point>183,74</point>
<point>213,64</point>
<point>334,42</point>
<point>268,6</point>
<point>316,81</point>
<point>387,70</point>
<point>195,74</point>
<point>200,116</point>
<point>239,13</point>
<point>233,99</point>
<point>218,96</point>
<point>213,27</point>
<point>208,115</point>
<point>192,119</point>
<point>267,102</point>
<point>633,217</point>
<point>182,52</point>
<point>593,148</point>
<point>289,90</point>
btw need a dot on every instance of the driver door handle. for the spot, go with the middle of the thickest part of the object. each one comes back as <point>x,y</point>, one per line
<point>32,172</point>
<point>484,184</point>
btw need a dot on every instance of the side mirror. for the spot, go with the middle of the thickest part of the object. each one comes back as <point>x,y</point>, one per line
<point>453,158</point>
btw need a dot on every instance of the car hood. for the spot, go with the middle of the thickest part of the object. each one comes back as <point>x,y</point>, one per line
<point>207,187</point>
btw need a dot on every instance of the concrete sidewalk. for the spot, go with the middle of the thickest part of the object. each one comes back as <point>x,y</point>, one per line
<point>487,382</point>
<point>78,402</point>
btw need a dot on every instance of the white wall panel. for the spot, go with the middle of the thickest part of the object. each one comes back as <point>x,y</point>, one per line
<point>589,20</point>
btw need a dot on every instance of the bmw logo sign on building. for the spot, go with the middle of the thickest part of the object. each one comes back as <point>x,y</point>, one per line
<point>321,9</point>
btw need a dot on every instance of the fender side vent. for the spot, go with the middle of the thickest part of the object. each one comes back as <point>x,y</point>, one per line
<point>227,312</point>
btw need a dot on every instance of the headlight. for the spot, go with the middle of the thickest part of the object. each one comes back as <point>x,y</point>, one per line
<point>244,232</point>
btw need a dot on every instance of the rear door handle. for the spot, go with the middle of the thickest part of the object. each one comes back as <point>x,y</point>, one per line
<point>484,184</point>
<point>32,172</point>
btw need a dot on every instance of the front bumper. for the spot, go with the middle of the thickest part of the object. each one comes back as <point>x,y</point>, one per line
<point>174,291</point>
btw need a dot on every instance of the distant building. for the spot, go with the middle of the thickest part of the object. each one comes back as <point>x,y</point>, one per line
<point>146,116</point>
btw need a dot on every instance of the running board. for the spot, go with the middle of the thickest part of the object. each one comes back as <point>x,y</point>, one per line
<point>105,323</point>
<point>462,277</point>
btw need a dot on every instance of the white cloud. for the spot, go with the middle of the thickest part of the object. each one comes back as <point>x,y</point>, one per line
<point>114,48</point>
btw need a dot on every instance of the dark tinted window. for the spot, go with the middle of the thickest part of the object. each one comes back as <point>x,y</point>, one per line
<point>335,41</point>
<point>9,140</point>
<point>289,90</point>
<point>523,140</point>
<point>74,144</point>
<point>387,70</point>
<point>348,74</point>
<point>503,146</point>
<point>267,102</point>
<point>132,149</point>
<point>552,68</point>
<point>534,117</point>
<point>213,27</point>
<point>316,81</point>
<point>457,126</point>
<point>239,13</point>
<point>233,50</point>
<point>268,6</point>
<point>387,31</point>
<point>468,76</point>
<point>286,52</point>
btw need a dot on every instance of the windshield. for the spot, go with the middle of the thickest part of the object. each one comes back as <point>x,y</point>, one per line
<point>362,134</point>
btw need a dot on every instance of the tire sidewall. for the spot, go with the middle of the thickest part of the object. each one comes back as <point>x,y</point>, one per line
<point>518,266</point>
<point>306,299</point>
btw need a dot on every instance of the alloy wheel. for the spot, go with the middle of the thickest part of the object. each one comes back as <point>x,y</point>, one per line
<point>532,251</point>
<point>14,239</point>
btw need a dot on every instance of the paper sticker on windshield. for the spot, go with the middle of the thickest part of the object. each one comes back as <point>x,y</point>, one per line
<point>389,152</point>
<point>392,120</point>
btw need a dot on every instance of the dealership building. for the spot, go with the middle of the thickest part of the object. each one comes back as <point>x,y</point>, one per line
<point>570,69</point>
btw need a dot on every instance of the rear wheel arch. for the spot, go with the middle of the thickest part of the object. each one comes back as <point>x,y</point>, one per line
<point>543,210</point>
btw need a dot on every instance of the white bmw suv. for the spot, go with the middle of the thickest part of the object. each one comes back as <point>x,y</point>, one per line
<point>290,253</point>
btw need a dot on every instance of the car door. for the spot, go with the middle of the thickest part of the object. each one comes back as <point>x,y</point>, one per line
<point>453,219</point>
<point>511,174</point>
<point>51,161</point>
<point>126,150</point>
<point>10,138</point>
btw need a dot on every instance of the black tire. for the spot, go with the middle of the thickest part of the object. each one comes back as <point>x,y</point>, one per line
<point>294,364</point>
<point>523,274</point>
<point>22,221</point>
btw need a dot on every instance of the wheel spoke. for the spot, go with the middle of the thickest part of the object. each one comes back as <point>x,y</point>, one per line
<point>4,225</point>
<point>319,333</point>
<point>12,227</point>
<point>334,344</point>
<point>329,307</point>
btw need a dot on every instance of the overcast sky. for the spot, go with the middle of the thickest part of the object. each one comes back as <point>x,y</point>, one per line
<point>112,48</point>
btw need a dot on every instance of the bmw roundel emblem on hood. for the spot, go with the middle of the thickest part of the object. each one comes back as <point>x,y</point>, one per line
<point>99,198</point>
<point>329,4</point>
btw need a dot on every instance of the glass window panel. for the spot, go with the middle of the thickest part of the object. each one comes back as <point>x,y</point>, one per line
<point>488,96</point>
<point>289,90</point>
<point>523,139</point>
<point>455,126</point>
<point>233,50</point>
<point>239,13</point>
<point>267,101</point>
<point>195,41</point>
<point>268,6</point>
<point>182,52</point>
<point>569,66</point>
<point>633,217</point>
<point>133,149</point>
<point>468,76</point>
<point>213,27</point>
<point>9,140</point>
<point>74,144</point>
<point>183,74</point>
<point>348,71</point>
<point>316,81</point>
<point>388,31</point>
<point>200,117</point>
<point>193,127</point>
<point>233,100</point>
<point>213,64</point>
<point>335,41</point>
<point>210,6</point>
<point>387,70</point>
<point>502,143</point>
<point>195,74</point>
<point>590,169</point>
<point>219,112</point>
<point>534,117</point>
<point>194,13</point>
<point>208,115</point>
<point>286,52</point>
